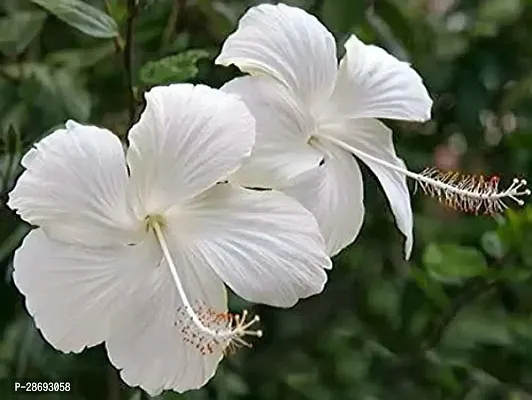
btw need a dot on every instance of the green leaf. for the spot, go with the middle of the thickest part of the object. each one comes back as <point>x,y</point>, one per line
<point>81,16</point>
<point>80,58</point>
<point>220,19</point>
<point>60,88</point>
<point>177,68</point>
<point>19,29</point>
<point>492,245</point>
<point>75,98</point>
<point>449,262</point>
<point>432,288</point>
<point>117,9</point>
<point>342,15</point>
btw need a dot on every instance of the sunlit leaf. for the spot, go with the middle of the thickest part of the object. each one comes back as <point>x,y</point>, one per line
<point>177,68</point>
<point>451,262</point>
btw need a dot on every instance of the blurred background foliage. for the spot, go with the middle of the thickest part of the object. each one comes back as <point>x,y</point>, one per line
<point>454,323</point>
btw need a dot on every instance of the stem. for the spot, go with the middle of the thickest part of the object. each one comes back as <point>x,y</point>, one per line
<point>188,308</point>
<point>175,21</point>
<point>472,291</point>
<point>129,59</point>
<point>425,179</point>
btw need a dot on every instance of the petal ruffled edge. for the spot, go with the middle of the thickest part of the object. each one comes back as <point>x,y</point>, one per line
<point>287,44</point>
<point>263,244</point>
<point>187,139</point>
<point>374,84</point>
<point>73,292</point>
<point>74,187</point>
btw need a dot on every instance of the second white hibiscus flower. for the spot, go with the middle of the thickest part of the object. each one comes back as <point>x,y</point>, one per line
<point>313,117</point>
<point>309,111</point>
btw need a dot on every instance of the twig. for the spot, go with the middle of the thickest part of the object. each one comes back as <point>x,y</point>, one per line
<point>175,21</point>
<point>434,332</point>
<point>132,11</point>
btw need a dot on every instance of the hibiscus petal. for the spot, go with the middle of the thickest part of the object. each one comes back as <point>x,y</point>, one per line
<point>264,245</point>
<point>288,44</point>
<point>73,292</point>
<point>371,137</point>
<point>74,187</point>
<point>334,193</point>
<point>150,341</point>
<point>374,84</point>
<point>188,138</point>
<point>281,149</point>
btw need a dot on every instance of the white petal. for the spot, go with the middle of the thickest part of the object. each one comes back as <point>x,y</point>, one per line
<point>74,186</point>
<point>281,149</point>
<point>288,44</point>
<point>73,292</point>
<point>374,84</point>
<point>334,193</point>
<point>147,341</point>
<point>369,136</point>
<point>264,245</point>
<point>188,138</point>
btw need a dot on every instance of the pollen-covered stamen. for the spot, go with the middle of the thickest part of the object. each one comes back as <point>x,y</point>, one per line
<point>472,193</point>
<point>475,193</point>
<point>218,321</point>
<point>208,330</point>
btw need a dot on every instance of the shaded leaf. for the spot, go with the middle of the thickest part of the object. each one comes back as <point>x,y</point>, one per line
<point>493,245</point>
<point>81,16</point>
<point>430,287</point>
<point>19,29</point>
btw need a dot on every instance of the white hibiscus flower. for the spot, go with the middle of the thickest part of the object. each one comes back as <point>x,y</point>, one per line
<point>313,116</point>
<point>134,250</point>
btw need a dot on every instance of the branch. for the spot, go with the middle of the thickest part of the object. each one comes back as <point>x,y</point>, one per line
<point>471,292</point>
<point>175,23</point>
<point>132,11</point>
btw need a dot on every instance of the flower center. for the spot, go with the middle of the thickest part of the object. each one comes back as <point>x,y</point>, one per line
<point>151,220</point>
<point>313,141</point>
<point>201,326</point>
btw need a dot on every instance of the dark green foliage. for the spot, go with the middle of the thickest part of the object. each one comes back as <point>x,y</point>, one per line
<point>455,322</point>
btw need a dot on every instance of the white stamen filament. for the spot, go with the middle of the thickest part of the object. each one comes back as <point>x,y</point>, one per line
<point>234,332</point>
<point>443,188</point>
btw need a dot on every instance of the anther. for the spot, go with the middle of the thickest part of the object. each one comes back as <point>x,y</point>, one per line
<point>227,331</point>
<point>471,193</point>
<point>204,327</point>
